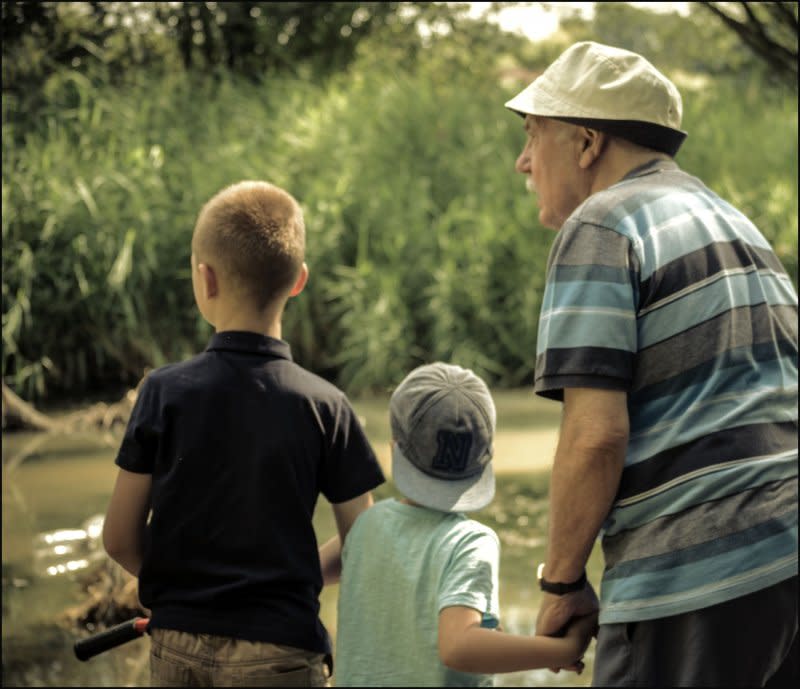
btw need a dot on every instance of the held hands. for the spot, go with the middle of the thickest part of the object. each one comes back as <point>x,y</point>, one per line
<point>556,613</point>
<point>579,633</point>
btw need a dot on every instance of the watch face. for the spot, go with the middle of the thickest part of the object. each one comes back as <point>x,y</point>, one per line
<point>539,571</point>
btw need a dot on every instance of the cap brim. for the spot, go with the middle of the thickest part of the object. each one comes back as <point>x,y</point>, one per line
<point>464,495</point>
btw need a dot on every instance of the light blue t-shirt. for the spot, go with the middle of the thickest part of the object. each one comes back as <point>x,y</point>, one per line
<point>402,565</point>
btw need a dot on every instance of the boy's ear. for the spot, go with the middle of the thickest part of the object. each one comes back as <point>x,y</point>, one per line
<point>301,281</point>
<point>208,280</point>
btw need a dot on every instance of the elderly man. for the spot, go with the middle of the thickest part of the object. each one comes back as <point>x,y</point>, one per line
<point>669,331</point>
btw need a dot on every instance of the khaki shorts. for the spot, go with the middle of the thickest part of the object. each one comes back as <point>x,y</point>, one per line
<point>180,659</point>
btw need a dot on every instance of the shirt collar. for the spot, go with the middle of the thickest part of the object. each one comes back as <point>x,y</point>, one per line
<point>249,343</point>
<point>651,166</point>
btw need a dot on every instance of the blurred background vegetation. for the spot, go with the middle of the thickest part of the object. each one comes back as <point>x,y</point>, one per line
<point>384,119</point>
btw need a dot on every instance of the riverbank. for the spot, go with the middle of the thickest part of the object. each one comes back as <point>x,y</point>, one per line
<point>525,440</point>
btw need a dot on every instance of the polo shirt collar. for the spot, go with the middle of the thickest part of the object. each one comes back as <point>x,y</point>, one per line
<point>249,343</point>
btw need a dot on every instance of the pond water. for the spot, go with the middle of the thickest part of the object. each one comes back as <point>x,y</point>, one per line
<point>50,498</point>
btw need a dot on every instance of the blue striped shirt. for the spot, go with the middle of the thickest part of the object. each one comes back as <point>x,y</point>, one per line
<point>658,287</point>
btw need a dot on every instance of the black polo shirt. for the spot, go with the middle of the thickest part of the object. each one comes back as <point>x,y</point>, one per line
<point>241,441</point>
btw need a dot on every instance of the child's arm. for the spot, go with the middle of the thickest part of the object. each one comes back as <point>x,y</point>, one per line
<point>330,560</point>
<point>467,647</point>
<point>126,518</point>
<point>330,552</point>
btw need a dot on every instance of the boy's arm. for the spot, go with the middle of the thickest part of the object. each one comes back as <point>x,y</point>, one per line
<point>126,518</point>
<point>330,552</point>
<point>330,560</point>
<point>467,647</point>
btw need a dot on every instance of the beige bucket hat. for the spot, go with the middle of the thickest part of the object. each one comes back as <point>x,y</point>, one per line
<point>610,89</point>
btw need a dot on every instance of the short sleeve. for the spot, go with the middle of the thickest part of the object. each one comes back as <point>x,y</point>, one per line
<point>587,327</point>
<point>471,578</point>
<point>350,466</point>
<point>139,446</point>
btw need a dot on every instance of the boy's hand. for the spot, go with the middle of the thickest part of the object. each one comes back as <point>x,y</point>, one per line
<point>579,633</point>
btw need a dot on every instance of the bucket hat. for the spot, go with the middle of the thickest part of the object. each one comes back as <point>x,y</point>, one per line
<point>443,420</point>
<point>609,89</point>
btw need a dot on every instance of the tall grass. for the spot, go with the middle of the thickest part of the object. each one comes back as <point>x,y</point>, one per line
<point>422,241</point>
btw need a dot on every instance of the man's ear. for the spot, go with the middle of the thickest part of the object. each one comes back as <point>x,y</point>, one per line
<point>301,281</point>
<point>592,143</point>
<point>208,280</point>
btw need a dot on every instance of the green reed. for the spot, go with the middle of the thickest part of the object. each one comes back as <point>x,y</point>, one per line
<point>422,241</point>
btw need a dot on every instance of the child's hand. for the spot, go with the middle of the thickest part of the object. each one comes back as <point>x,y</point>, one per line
<point>579,633</point>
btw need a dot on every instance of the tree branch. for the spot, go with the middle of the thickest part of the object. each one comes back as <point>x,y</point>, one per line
<point>753,33</point>
<point>781,12</point>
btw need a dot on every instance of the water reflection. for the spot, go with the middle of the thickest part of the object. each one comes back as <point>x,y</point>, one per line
<point>68,550</point>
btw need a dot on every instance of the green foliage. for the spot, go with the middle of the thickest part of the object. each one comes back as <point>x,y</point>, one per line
<point>768,29</point>
<point>706,45</point>
<point>101,39</point>
<point>743,144</point>
<point>422,241</point>
<point>252,39</point>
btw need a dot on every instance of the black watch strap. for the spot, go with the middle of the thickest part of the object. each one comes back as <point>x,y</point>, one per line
<point>560,588</point>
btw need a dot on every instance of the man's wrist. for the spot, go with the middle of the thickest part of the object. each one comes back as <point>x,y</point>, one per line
<point>560,588</point>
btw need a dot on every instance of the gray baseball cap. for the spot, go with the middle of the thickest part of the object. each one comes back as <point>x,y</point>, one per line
<point>443,420</point>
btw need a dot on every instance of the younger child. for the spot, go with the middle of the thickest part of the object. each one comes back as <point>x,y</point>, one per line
<point>223,460</point>
<point>418,599</point>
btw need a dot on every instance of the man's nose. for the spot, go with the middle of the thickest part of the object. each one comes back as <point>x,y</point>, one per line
<point>523,163</point>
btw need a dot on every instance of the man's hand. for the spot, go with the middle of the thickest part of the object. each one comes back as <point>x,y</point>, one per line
<point>555,613</point>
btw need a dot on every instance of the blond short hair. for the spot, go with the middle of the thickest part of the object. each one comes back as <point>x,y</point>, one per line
<point>254,234</point>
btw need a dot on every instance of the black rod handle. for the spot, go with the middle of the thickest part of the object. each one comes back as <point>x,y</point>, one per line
<point>114,636</point>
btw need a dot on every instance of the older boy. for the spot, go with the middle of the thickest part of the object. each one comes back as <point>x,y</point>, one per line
<point>227,453</point>
<point>418,600</point>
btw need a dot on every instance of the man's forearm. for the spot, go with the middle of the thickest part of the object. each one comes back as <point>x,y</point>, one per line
<point>582,489</point>
<point>584,480</point>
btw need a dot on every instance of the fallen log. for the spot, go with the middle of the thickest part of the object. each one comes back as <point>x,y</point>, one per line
<point>18,414</point>
<point>21,415</point>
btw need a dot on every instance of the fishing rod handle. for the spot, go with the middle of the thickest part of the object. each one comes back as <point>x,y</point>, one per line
<point>114,636</point>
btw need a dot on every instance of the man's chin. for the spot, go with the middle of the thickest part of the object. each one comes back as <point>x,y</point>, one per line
<point>547,222</point>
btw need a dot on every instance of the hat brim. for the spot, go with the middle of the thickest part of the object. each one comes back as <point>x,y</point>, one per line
<point>463,495</point>
<point>534,101</point>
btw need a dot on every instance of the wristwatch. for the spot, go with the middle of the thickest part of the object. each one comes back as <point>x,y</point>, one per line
<point>557,587</point>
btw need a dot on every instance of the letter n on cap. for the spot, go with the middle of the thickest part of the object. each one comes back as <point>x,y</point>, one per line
<point>452,453</point>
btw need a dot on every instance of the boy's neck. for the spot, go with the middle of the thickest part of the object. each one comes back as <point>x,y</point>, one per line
<point>268,324</point>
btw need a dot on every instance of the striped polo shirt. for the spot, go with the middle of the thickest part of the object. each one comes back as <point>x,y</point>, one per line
<point>658,287</point>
